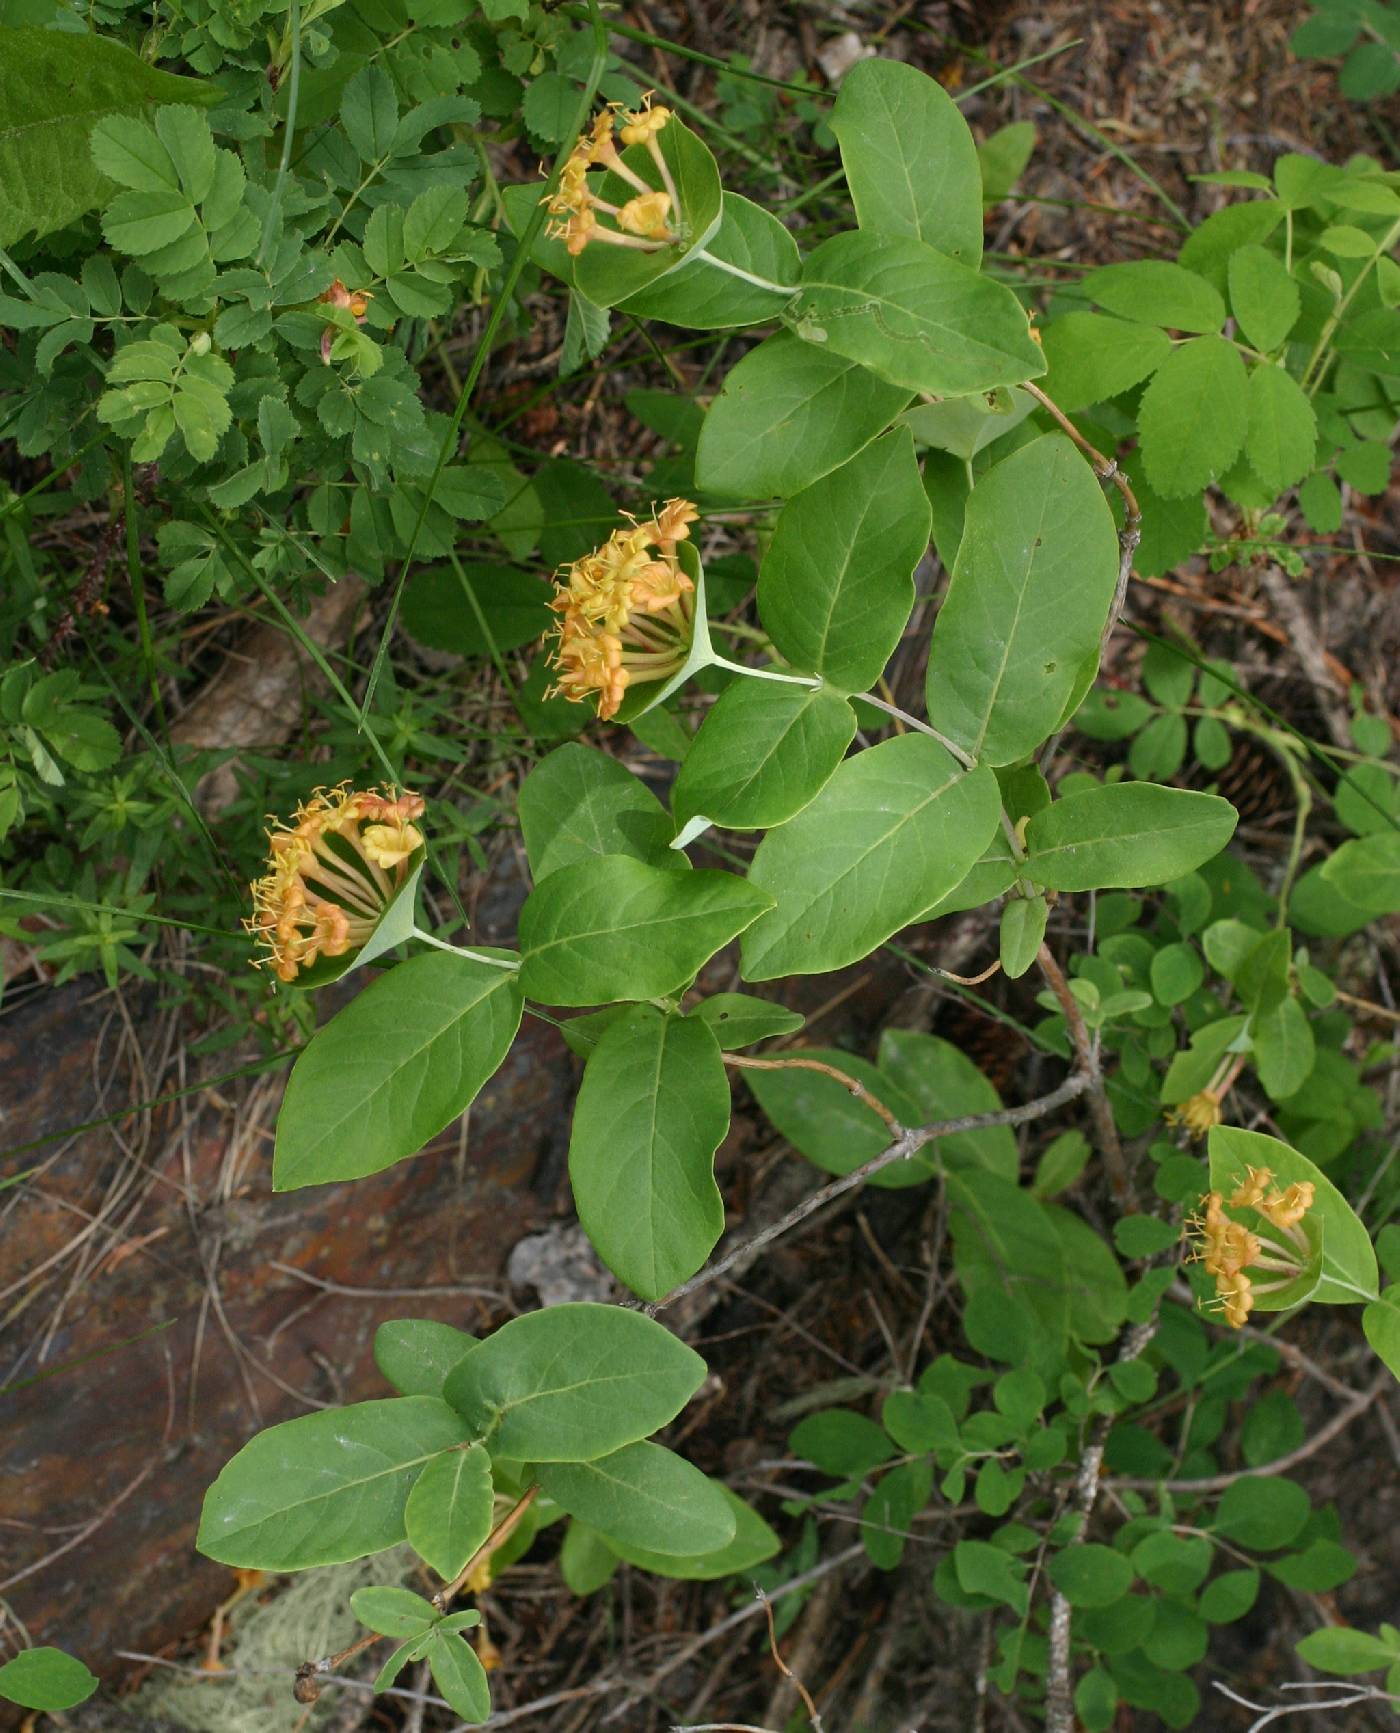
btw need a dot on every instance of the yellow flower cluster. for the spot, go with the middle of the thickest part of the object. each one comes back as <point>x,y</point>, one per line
<point>1227,1248</point>
<point>331,874</point>
<point>626,611</point>
<point>645,219</point>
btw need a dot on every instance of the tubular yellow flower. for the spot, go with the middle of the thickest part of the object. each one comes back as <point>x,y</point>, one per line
<point>1251,1189</point>
<point>642,125</point>
<point>1286,1210</point>
<point>646,215</point>
<point>1197,1114</point>
<point>331,874</point>
<point>1227,1248</point>
<point>643,222</point>
<point>626,611</point>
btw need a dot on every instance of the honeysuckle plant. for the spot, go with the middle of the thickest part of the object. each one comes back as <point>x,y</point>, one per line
<point>904,399</point>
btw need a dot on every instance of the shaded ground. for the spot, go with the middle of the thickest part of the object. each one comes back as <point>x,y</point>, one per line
<point>176,1226</point>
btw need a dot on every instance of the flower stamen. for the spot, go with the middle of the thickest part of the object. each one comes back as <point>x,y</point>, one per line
<point>627,611</point>
<point>331,874</point>
<point>644,221</point>
<point>1227,1248</point>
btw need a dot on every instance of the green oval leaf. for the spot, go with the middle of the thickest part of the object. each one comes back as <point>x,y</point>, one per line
<point>910,160</point>
<point>460,1676</point>
<point>836,586</point>
<point>763,753</point>
<point>573,1383</point>
<point>46,1679</point>
<point>787,415</point>
<point>914,316</point>
<point>579,802</point>
<point>1090,1575</point>
<point>652,1111</point>
<point>448,1514</point>
<point>894,830</point>
<point>1125,835</point>
<point>1157,292</point>
<point>647,1496</point>
<point>753,1542</point>
<point>399,1063</point>
<point>326,1487</point>
<point>739,1019</point>
<point>610,927</point>
<point>416,1354</point>
<point>1020,627</point>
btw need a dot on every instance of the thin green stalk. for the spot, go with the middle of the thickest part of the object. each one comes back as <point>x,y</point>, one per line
<point>483,349</point>
<point>52,900</point>
<point>289,126</point>
<point>746,276</point>
<point>474,603</point>
<point>55,475</point>
<point>462,951</point>
<point>1018,68</point>
<point>718,661</point>
<point>914,722</point>
<point>1383,246</point>
<point>583,14</point>
<point>790,205</point>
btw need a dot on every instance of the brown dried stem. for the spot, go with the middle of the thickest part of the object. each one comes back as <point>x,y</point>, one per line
<point>857,1089</point>
<point>1087,1055</point>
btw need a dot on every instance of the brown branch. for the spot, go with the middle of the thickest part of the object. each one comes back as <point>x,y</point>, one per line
<point>1086,1053</point>
<point>907,1144</point>
<point>1339,1422</point>
<point>813,1713</point>
<point>850,1084</point>
<point>1059,1703</point>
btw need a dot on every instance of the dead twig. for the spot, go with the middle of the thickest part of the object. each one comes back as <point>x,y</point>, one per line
<point>850,1084</point>
<point>1339,1422</point>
